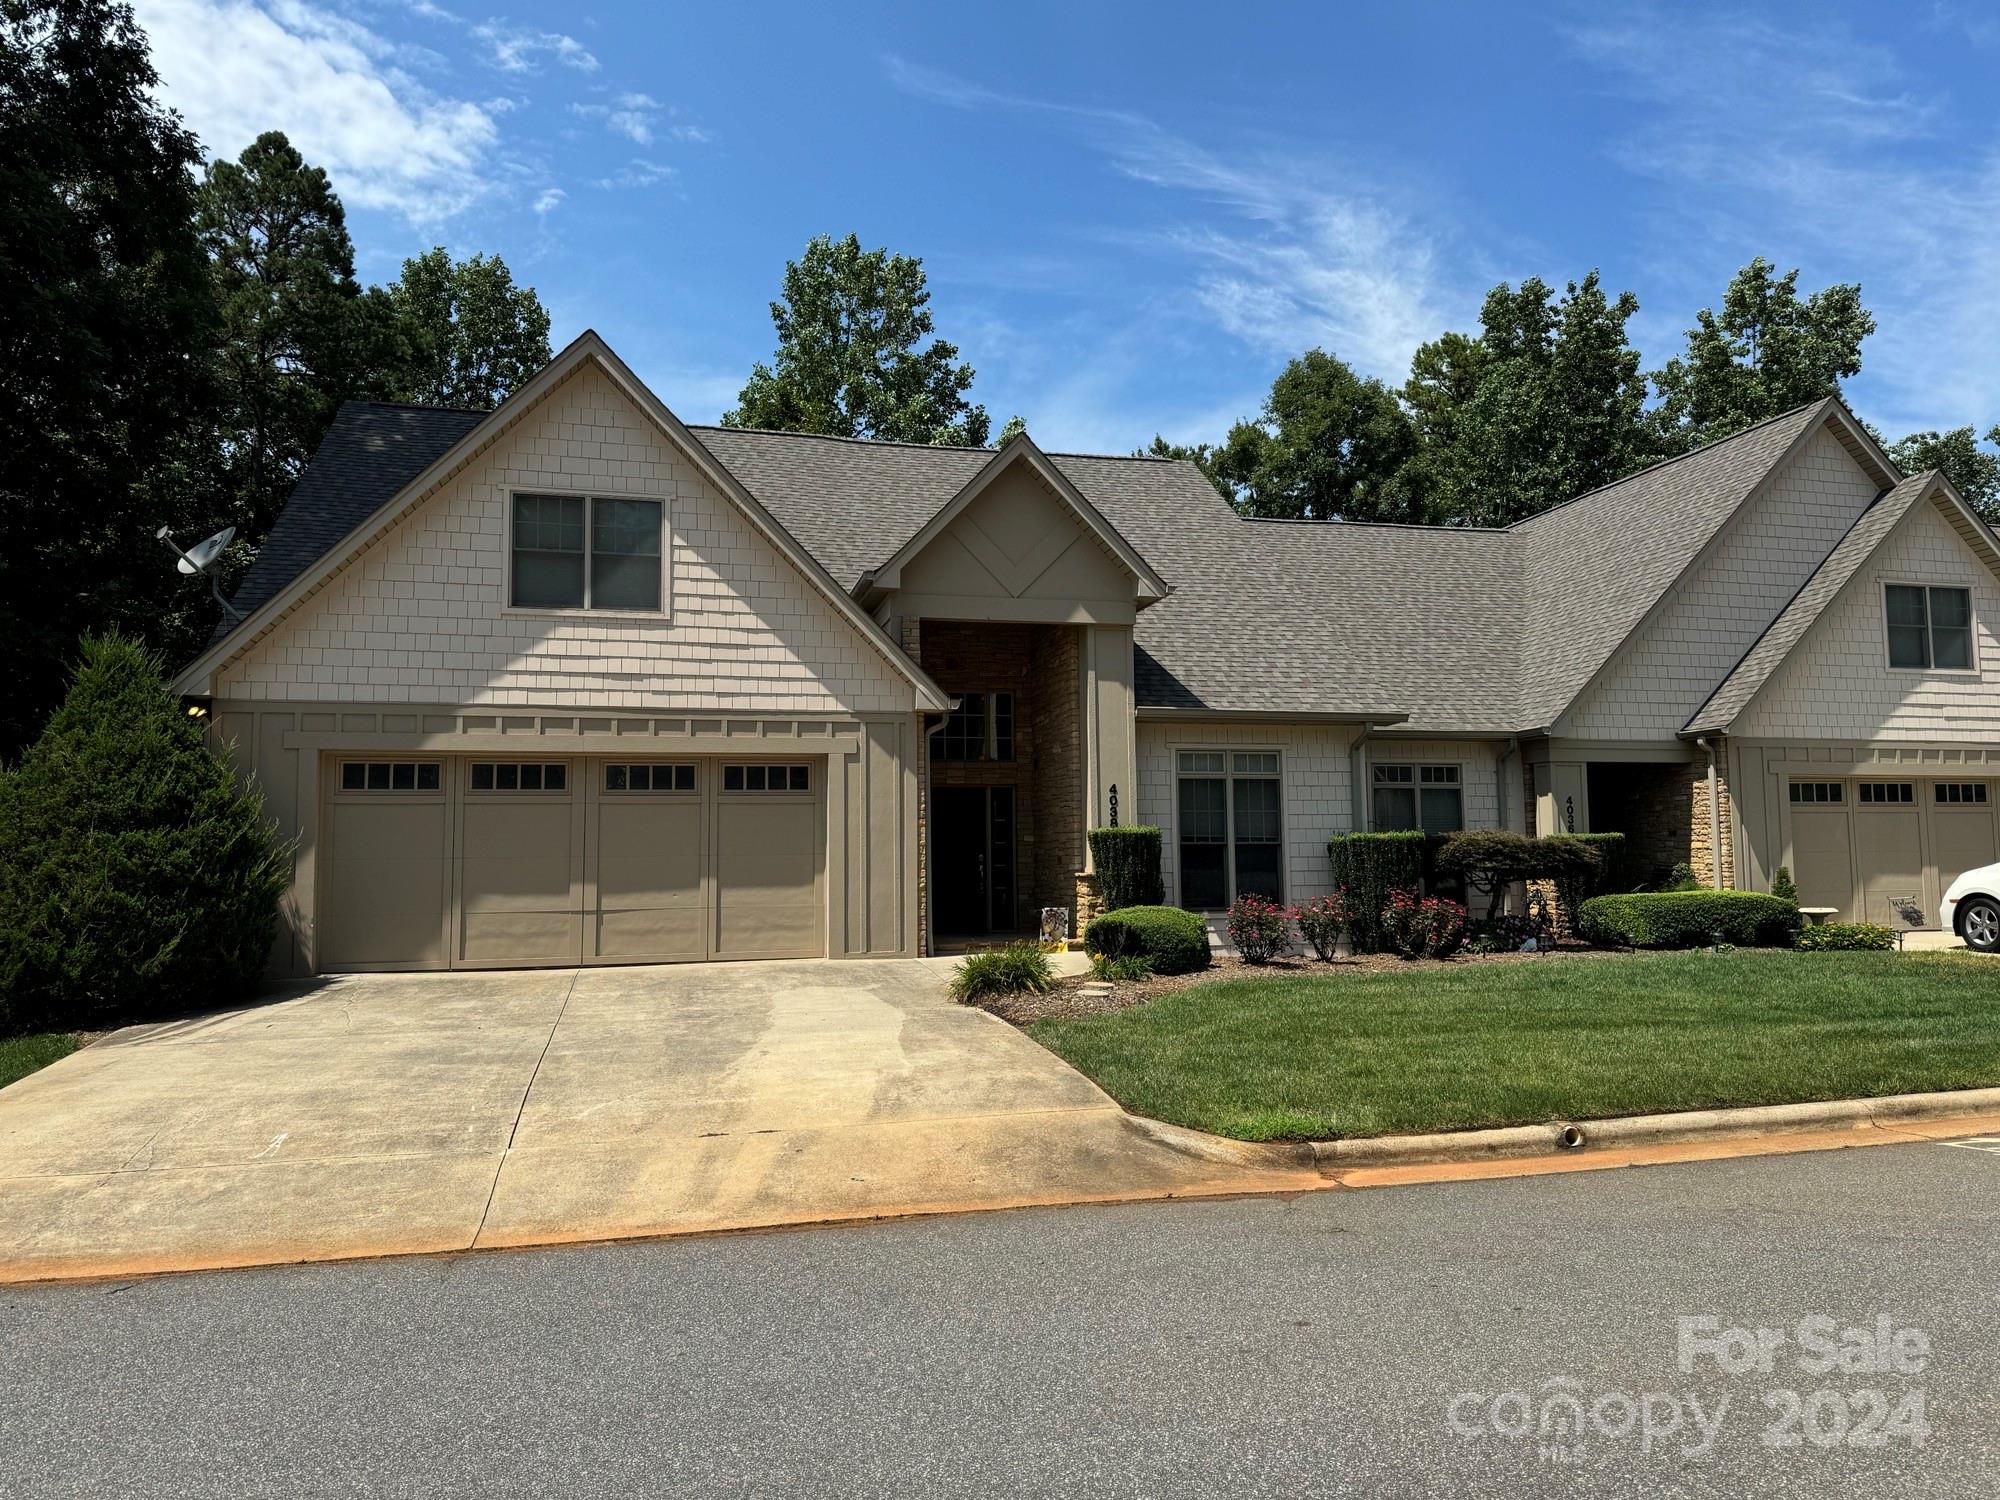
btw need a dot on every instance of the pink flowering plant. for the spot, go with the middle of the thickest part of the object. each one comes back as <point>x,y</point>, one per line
<point>1422,926</point>
<point>1260,928</point>
<point>1322,921</point>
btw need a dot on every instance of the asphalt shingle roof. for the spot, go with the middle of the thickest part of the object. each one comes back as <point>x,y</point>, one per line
<point>369,453</point>
<point>1461,630</point>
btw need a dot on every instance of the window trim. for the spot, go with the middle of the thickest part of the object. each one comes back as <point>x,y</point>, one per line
<point>1416,768</point>
<point>1930,638</point>
<point>725,766</point>
<point>1228,775</point>
<point>626,763</point>
<point>565,791</point>
<point>339,788</point>
<point>585,611</point>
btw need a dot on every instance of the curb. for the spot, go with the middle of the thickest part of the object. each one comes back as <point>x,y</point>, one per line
<point>1571,1138</point>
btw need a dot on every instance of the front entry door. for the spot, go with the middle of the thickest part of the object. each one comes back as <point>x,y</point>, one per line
<point>972,863</point>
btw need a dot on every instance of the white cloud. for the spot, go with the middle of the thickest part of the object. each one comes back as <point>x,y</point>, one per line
<point>1813,148</point>
<point>236,68</point>
<point>638,118</point>
<point>548,200</point>
<point>1303,256</point>
<point>522,49</point>
<point>638,173</point>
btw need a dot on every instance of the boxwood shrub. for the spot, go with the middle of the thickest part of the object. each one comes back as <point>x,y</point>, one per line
<point>1688,919</point>
<point>1127,860</point>
<point>1366,868</point>
<point>1171,940</point>
<point>1845,937</point>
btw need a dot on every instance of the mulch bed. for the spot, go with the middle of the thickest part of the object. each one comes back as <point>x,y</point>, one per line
<point>1067,1000</point>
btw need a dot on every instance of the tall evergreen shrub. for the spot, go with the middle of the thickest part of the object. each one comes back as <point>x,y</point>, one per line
<point>137,878</point>
<point>1366,868</point>
<point>1127,860</point>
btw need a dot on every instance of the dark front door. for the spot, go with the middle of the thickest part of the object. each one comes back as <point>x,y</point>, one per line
<point>972,859</point>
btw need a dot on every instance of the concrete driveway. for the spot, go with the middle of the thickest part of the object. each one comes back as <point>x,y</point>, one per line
<point>394,1114</point>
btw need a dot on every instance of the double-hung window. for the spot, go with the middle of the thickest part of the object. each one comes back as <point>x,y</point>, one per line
<point>578,552</point>
<point>1929,628</point>
<point>1410,797</point>
<point>1231,827</point>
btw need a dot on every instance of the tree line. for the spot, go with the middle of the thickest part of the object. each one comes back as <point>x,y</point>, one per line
<point>175,338</point>
<point>1548,400</point>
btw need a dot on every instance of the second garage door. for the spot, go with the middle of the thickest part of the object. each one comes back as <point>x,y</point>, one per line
<point>578,860</point>
<point>1884,851</point>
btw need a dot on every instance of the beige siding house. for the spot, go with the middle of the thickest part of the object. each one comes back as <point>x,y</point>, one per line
<point>572,682</point>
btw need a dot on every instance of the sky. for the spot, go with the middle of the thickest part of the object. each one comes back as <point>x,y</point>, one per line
<point>1133,216</point>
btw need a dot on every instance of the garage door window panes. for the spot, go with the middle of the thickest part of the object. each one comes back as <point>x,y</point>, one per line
<point>1409,798</point>
<point>649,778</point>
<point>389,776</point>
<point>576,553</point>
<point>766,779</point>
<point>1929,627</point>
<point>519,776</point>
<point>1231,827</point>
<point>1962,792</point>
<point>1887,793</point>
<point>1818,791</point>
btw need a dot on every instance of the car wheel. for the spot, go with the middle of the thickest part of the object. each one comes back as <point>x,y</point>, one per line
<point>1979,923</point>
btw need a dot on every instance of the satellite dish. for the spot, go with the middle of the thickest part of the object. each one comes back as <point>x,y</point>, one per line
<point>197,558</point>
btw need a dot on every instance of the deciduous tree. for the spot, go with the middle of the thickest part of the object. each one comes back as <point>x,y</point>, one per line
<point>469,335</point>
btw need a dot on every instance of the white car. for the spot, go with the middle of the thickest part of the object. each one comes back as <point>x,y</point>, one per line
<point>1972,909</point>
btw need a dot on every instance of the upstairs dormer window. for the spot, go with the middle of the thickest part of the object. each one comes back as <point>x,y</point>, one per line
<point>586,552</point>
<point>1930,629</point>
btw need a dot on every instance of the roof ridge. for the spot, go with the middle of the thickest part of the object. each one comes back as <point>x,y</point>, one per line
<point>861,442</point>
<point>1708,447</point>
<point>1431,526</point>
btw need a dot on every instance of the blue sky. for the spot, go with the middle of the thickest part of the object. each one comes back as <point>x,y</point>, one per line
<point>1133,215</point>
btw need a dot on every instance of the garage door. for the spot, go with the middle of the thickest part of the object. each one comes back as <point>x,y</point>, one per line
<point>484,863</point>
<point>386,874</point>
<point>1884,851</point>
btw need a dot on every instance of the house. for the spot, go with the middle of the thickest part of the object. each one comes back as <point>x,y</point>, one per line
<point>573,682</point>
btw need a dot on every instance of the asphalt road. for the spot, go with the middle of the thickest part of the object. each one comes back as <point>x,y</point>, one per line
<point>1359,1343</point>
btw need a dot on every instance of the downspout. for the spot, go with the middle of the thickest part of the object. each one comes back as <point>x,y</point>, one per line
<point>1356,756</point>
<point>1714,818</point>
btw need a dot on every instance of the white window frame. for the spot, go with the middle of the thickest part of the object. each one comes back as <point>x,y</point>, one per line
<point>586,611</point>
<point>1930,645</point>
<point>1417,790</point>
<point>1228,776</point>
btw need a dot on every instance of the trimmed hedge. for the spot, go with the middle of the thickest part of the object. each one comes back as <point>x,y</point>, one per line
<point>1366,868</point>
<point>1688,919</point>
<point>1127,861</point>
<point>1171,940</point>
<point>1846,937</point>
<point>1574,889</point>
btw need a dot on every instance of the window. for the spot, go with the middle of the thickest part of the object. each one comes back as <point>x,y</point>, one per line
<point>1230,827</point>
<point>1818,791</point>
<point>766,779</point>
<point>649,778</point>
<point>1929,628</point>
<point>1412,797</point>
<point>519,776</point>
<point>577,553</point>
<point>1962,791</point>
<point>1885,793</point>
<point>980,728</point>
<point>389,775</point>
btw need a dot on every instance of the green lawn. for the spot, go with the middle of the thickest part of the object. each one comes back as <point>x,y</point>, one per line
<point>1353,1054</point>
<point>21,1055</point>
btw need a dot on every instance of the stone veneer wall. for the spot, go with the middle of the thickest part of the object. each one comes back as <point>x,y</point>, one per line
<point>1700,855</point>
<point>1663,812</point>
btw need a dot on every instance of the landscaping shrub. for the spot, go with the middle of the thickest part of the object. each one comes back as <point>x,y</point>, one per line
<point>1844,937</point>
<point>1367,867</point>
<point>1018,968</point>
<point>1119,967</point>
<point>137,877</point>
<point>1127,861</point>
<point>1681,878</point>
<point>1491,859</point>
<point>1321,922</point>
<point>1784,887</point>
<point>1422,926</point>
<point>1688,919</point>
<point>1260,928</point>
<point>1510,932</point>
<point>1579,885</point>
<point>1171,940</point>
